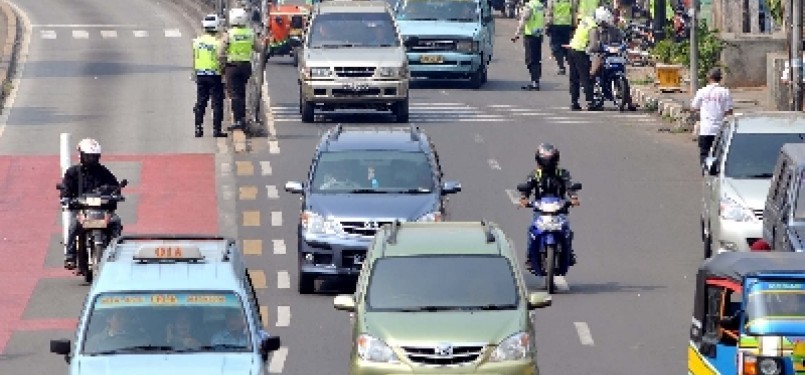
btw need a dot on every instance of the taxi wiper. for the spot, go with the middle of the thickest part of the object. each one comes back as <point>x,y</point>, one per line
<point>430,308</point>
<point>368,191</point>
<point>138,348</point>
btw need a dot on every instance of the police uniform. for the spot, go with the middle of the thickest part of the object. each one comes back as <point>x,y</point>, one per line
<point>579,62</point>
<point>669,10</point>
<point>586,8</point>
<point>207,71</point>
<point>559,21</point>
<point>532,25</point>
<point>239,45</point>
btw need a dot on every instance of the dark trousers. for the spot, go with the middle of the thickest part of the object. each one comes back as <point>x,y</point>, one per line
<point>579,75</point>
<point>533,56</point>
<point>560,34</point>
<point>209,87</point>
<point>705,142</point>
<point>75,230</point>
<point>237,75</point>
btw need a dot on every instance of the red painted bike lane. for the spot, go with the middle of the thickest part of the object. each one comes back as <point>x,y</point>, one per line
<point>176,194</point>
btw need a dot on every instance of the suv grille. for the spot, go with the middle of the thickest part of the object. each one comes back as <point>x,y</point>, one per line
<point>425,45</point>
<point>758,214</point>
<point>362,228</point>
<point>364,71</point>
<point>437,356</point>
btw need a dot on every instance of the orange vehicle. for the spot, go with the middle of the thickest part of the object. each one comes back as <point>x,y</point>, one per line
<point>287,21</point>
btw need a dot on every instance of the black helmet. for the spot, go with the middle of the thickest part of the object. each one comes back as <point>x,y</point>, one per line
<point>547,156</point>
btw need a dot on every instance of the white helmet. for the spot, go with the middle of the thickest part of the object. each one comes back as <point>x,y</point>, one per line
<point>211,23</point>
<point>604,16</point>
<point>237,17</point>
<point>89,146</point>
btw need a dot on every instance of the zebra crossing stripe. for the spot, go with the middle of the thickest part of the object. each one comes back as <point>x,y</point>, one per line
<point>173,33</point>
<point>48,34</point>
<point>140,34</point>
<point>108,34</point>
<point>80,34</point>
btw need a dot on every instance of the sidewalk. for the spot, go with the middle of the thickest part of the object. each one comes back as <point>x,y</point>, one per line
<point>674,107</point>
<point>9,38</point>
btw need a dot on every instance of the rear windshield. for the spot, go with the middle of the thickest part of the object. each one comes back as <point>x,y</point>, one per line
<point>754,155</point>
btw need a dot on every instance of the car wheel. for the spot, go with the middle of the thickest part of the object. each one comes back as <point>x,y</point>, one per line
<point>477,78</point>
<point>306,284</point>
<point>307,111</point>
<point>401,111</point>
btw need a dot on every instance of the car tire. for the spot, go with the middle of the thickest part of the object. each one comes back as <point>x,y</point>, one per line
<point>306,284</point>
<point>401,111</point>
<point>477,77</point>
<point>307,111</point>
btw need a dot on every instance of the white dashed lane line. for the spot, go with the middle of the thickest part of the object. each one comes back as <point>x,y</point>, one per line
<point>283,280</point>
<point>279,246</point>
<point>283,316</point>
<point>493,164</point>
<point>277,362</point>
<point>276,218</point>
<point>272,192</point>
<point>265,168</point>
<point>585,336</point>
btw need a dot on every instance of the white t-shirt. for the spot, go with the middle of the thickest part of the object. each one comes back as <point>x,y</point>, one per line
<point>712,101</point>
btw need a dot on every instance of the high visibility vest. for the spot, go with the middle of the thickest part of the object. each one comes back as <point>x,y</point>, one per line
<point>586,8</point>
<point>536,22</point>
<point>582,35</point>
<point>562,12</point>
<point>205,55</point>
<point>241,40</point>
<point>669,10</point>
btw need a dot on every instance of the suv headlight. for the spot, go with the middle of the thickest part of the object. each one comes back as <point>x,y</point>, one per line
<point>431,216</point>
<point>732,210</point>
<point>374,350</point>
<point>388,71</point>
<point>514,348</point>
<point>314,223</point>
<point>467,46</point>
<point>318,72</point>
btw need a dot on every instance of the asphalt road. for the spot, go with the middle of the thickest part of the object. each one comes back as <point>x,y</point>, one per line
<point>627,305</point>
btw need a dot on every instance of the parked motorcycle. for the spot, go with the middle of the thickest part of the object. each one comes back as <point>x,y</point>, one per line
<point>94,212</point>
<point>611,84</point>
<point>551,237</point>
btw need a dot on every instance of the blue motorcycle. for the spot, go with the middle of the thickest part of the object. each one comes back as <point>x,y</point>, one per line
<point>550,238</point>
<point>611,84</point>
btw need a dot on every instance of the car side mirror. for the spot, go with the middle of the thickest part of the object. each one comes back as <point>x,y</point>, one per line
<point>410,41</point>
<point>538,300</point>
<point>710,166</point>
<point>294,187</point>
<point>344,302</point>
<point>124,183</point>
<point>268,345</point>
<point>61,346</point>
<point>575,186</point>
<point>451,187</point>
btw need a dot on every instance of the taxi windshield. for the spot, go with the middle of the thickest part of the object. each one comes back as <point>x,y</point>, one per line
<point>438,10</point>
<point>166,322</point>
<point>776,308</point>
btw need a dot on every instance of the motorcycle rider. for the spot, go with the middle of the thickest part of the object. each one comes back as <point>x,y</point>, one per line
<point>604,35</point>
<point>81,178</point>
<point>238,44</point>
<point>548,179</point>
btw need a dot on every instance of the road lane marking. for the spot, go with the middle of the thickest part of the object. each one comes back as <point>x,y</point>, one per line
<point>272,192</point>
<point>173,33</point>
<point>584,333</point>
<point>247,193</point>
<point>283,280</point>
<point>265,168</point>
<point>140,33</point>
<point>80,34</point>
<point>493,164</point>
<point>251,218</point>
<point>244,168</point>
<point>48,34</point>
<point>253,247</point>
<point>279,246</point>
<point>514,196</point>
<point>223,147</point>
<point>273,147</point>
<point>477,138</point>
<point>283,316</point>
<point>277,362</point>
<point>106,34</point>
<point>77,25</point>
<point>264,316</point>
<point>258,279</point>
<point>561,283</point>
<point>276,218</point>
<point>239,140</point>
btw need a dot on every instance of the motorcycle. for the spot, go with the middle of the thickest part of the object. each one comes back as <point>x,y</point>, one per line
<point>94,213</point>
<point>511,8</point>
<point>551,237</point>
<point>610,83</point>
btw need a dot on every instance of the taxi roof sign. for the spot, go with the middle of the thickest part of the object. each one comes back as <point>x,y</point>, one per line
<point>168,252</point>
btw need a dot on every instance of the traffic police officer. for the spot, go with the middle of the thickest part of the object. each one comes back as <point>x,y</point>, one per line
<point>239,42</point>
<point>579,62</point>
<point>559,27</point>
<point>532,24</point>
<point>669,10</point>
<point>207,74</point>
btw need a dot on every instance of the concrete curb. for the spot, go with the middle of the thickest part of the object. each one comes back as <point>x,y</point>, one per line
<point>670,110</point>
<point>8,59</point>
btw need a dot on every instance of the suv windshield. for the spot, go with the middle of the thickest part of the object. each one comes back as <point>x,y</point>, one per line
<point>332,30</point>
<point>166,322</point>
<point>775,307</point>
<point>754,155</point>
<point>433,283</point>
<point>437,10</point>
<point>382,171</point>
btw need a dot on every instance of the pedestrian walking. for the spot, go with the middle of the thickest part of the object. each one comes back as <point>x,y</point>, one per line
<point>714,102</point>
<point>532,25</point>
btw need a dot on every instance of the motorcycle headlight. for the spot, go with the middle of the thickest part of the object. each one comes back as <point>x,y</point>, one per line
<point>388,71</point>
<point>374,350</point>
<point>431,216</point>
<point>314,223</point>
<point>319,72</point>
<point>732,210</point>
<point>514,348</point>
<point>467,46</point>
<point>548,223</point>
<point>762,365</point>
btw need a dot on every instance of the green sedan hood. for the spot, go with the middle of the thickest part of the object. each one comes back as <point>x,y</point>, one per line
<point>414,328</point>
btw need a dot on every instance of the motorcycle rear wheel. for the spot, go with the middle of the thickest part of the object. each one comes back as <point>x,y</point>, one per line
<point>620,90</point>
<point>83,263</point>
<point>549,262</point>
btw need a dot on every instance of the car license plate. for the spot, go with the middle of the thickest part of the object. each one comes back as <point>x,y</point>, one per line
<point>431,59</point>
<point>355,86</point>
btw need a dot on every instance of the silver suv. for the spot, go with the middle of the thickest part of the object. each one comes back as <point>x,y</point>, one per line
<point>738,173</point>
<point>353,58</point>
